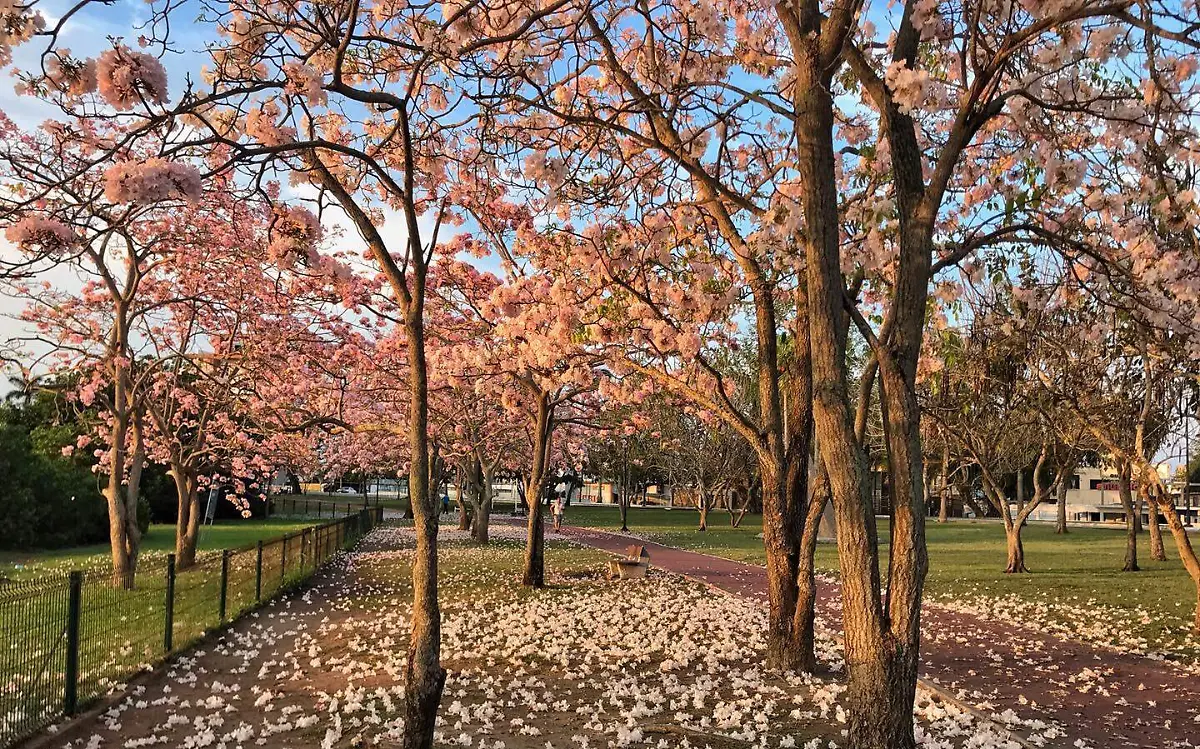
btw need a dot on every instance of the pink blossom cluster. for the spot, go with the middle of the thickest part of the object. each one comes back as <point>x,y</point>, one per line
<point>909,87</point>
<point>304,80</point>
<point>71,76</point>
<point>35,233</point>
<point>18,23</point>
<point>294,232</point>
<point>151,181</point>
<point>126,78</point>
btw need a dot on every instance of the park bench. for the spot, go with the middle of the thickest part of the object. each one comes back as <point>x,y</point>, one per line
<point>632,566</point>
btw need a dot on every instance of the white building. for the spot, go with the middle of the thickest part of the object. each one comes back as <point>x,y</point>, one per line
<point>1093,496</point>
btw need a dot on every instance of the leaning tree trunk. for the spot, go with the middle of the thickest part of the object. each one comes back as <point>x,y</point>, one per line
<point>1125,492</point>
<point>703,506</point>
<point>535,541</point>
<point>1183,544</point>
<point>464,517</point>
<point>804,621</point>
<point>1157,552</point>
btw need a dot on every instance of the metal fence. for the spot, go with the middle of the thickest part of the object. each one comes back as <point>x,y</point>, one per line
<point>302,506</point>
<point>66,640</point>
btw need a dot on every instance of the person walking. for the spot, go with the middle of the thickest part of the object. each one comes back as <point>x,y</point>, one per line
<point>557,509</point>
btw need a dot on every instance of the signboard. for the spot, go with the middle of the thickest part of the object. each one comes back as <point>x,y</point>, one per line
<point>210,510</point>
<point>1109,485</point>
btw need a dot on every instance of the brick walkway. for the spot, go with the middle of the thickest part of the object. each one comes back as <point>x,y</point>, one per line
<point>1107,698</point>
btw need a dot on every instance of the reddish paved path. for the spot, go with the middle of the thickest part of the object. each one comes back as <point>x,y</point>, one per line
<point>1107,698</point>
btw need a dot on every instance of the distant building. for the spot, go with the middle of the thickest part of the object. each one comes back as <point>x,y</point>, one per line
<point>1093,496</point>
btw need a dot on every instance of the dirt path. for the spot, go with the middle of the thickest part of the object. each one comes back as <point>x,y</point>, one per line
<point>1107,698</point>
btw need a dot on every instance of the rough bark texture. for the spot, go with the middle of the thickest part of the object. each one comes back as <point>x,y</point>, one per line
<point>424,677</point>
<point>881,666</point>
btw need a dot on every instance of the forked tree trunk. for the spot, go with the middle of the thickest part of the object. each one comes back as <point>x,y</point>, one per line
<point>1157,552</point>
<point>882,665</point>
<point>535,540</point>
<point>483,508</point>
<point>187,522</point>
<point>1125,492</point>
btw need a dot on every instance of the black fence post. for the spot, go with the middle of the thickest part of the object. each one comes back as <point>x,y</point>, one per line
<point>71,672</point>
<point>303,544</point>
<point>283,557</point>
<point>258,575</point>
<point>169,628</point>
<point>224,583</point>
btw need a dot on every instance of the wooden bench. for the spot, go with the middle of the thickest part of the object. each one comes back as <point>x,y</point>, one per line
<point>634,565</point>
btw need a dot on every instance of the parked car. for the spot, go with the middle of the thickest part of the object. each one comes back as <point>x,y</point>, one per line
<point>347,490</point>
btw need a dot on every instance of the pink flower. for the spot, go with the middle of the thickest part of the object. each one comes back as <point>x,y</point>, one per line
<point>34,233</point>
<point>126,78</point>
<point>68,450</point>
<point>151,181</point>
<point>294,232</point>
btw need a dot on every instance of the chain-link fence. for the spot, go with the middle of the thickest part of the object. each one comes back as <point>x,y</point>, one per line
<point>66,640</point>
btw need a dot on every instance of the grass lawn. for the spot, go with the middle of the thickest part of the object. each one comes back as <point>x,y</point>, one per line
<point>1076,581</point>
<point>159,539</point>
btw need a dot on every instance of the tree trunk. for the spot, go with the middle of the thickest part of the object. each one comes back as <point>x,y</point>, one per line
<point>483,510</point>
<point>703,512</point>
<point>187,523</point>
<point>1125,492</point>
<point>1060,525</point>
<point>944,505</point>
<point>123,565</point>
<point>424,677</point>
<point>535,542</point>
<point>804,620</point>
<point>464,517</point>
<point>1157,552</point>
<point>784,646</point>
<point>882,667</point>
<point>1016,550</point>
<point>1183,544</point>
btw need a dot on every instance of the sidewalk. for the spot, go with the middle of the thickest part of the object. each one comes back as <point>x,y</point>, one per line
<point>1107,698</point>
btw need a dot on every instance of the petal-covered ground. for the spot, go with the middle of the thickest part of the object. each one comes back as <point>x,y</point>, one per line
<point>585,663</point>
<point>1101,692</point>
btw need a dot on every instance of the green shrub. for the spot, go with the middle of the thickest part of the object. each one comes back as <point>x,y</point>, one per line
<point>45,501</point>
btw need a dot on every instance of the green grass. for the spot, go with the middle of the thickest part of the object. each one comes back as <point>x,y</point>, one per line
<point>159,539</point>
<point>123,630</point>
<point>1070,575</point>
